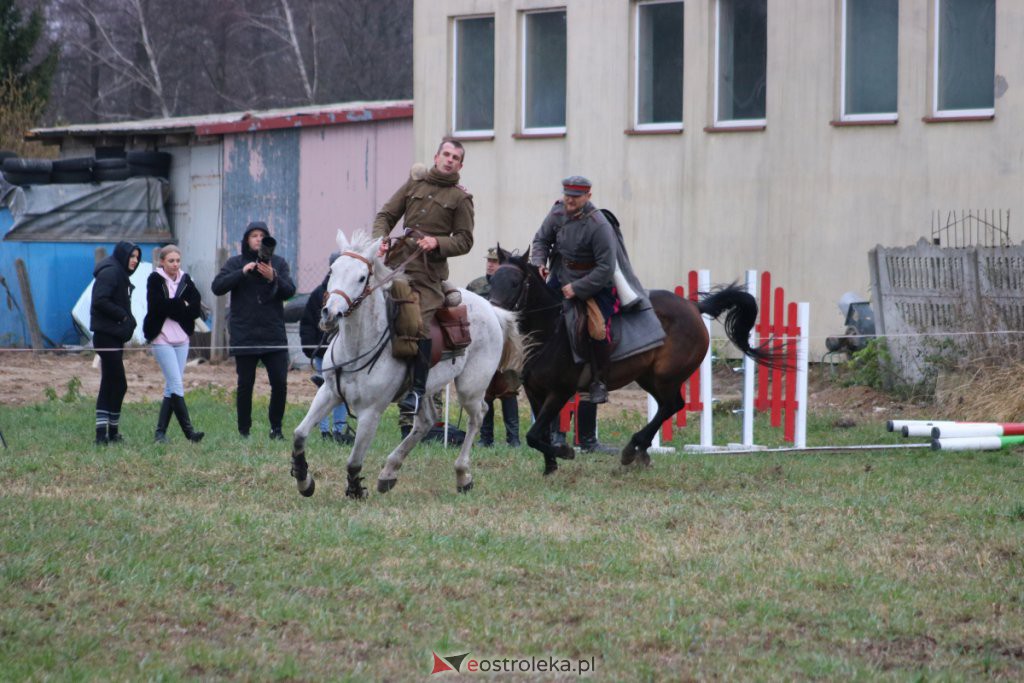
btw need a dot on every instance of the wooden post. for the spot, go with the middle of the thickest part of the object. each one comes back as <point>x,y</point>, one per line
<point>28,305</point>
<point>219,337</point>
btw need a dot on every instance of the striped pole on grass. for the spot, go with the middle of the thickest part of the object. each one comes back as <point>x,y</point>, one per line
<point>964,429</point>
<point>976,443</point>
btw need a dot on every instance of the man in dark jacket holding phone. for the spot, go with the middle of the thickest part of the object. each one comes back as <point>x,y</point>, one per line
<point>259,283</point>
<point>112,324</point>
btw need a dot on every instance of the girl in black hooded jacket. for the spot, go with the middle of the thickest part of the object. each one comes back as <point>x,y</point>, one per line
<point>112,324</point>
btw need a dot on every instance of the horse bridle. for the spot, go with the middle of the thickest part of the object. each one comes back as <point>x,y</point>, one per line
<point>353,304</point>
<point>519,305</point>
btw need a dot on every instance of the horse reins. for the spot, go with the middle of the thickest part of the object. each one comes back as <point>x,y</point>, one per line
<point>520,302</point>
<point>353,304</point>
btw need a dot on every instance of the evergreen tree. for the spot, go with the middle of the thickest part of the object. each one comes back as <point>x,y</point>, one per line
<point>23,58</point>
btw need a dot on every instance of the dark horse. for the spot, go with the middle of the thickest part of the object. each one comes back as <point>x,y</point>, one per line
<point>551,377</point>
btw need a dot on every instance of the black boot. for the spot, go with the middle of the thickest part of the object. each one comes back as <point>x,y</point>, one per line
<point>165,419</point>
<point>487,427</point>
<point>410,405</point>
<point>557,437</point>
<point>600,354</point>
<point>510,414</point>
<point>586,422</point>
<point>181,412</point>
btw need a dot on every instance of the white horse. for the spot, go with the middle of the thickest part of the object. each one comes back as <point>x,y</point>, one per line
<point>358,366</point>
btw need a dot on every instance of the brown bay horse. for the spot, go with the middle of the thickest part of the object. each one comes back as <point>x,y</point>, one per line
<point>551,377</point>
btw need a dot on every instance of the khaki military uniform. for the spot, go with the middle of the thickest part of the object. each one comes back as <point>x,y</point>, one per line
<point>434,205</point>
<point>481,286</point>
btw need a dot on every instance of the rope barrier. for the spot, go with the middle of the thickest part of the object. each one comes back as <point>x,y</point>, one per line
<point>272,347</point>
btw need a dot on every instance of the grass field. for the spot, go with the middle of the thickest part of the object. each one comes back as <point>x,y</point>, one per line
<point>202,562</point>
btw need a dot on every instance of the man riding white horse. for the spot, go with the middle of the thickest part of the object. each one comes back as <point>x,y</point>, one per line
<point>439,220</point>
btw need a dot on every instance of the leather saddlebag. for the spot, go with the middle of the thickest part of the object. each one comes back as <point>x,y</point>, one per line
<point>454,323</point>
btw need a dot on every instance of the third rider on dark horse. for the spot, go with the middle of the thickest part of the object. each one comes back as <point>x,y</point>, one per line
<point>586,262</point>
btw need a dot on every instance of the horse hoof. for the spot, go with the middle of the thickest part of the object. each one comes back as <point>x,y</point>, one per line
<point>550,466</point>
<point>565,452</point>
<point>385,485</point>
<point>643,459</point>
<point>464,489</point>
<point>309,490</point>
<point>628,455</point>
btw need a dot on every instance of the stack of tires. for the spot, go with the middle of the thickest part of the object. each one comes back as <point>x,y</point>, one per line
<point>149,164</point>
<point>19,171</point>
<point>104,167</point>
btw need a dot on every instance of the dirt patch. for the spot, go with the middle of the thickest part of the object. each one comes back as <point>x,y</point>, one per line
<point>27,377</point>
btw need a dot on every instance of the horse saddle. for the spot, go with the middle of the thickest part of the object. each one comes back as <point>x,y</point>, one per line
<point>449,332</point>
<point>633,331</point>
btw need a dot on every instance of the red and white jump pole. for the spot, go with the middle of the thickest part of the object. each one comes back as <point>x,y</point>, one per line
<point>965,429</point>
<point>976,443</point>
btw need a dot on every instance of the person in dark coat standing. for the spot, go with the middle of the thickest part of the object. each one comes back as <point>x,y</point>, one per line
<point>314,345</point>
<point>173,303</point>
<point>259,283</point>
<point>112,325</point>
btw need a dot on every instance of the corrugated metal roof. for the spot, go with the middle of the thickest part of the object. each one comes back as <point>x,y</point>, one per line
<point>241,122</point>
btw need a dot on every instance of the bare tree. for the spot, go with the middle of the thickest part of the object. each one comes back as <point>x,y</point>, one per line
<point>137,58</point>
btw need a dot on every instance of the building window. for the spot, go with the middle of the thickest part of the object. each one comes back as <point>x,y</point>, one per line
<point>869,64</point>
<point>473,87</point>
<point>965,57</point>
<point>659,65</point>
<point>544,55</point>
<point>741,55</point>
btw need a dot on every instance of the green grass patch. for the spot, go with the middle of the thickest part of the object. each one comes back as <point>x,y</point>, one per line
<point>183,561</point>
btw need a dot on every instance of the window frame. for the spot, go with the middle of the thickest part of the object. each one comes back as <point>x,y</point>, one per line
<point>664,126</point>
<point>540,131</point>
<point>456,131</point>
<point>744,124</point>
<point>881,117</point>
<point>936,113</point>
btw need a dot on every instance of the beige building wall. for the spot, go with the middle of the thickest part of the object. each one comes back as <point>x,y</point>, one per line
<point>802,198</point>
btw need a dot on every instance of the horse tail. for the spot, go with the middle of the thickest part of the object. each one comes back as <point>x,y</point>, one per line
<point>739,321</point>
<point>513,350</point>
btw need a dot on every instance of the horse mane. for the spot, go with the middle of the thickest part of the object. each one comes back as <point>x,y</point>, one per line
<point>363,242</point>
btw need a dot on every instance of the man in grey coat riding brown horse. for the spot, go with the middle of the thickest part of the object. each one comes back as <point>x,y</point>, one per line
<point>581,253</point>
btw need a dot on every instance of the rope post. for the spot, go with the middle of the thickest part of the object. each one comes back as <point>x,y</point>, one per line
<point>706,427</point>
<point>803,351</point>
<point>749,370</point>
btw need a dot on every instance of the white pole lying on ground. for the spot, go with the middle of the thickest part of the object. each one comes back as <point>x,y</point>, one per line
<point>898,425</point>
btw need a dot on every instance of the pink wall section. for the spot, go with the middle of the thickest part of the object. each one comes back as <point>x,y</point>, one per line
<point>345,174</point>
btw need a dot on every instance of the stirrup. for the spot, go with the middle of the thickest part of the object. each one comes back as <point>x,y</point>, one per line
<point>410,405</point>
<point>598,393</point>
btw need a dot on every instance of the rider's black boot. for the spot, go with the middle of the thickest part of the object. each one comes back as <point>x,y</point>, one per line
<point>600,356</point>
<point>410,405</point>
